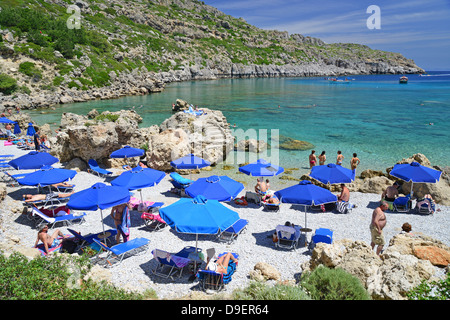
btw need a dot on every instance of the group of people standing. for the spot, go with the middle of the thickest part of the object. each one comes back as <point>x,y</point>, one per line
<point>354,162</point>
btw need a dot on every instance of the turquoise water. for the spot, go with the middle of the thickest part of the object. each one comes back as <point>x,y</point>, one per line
<point>375,116</point>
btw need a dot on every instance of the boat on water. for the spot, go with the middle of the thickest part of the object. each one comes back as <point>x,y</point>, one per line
<point>403,79</point>
<point>336,80</point>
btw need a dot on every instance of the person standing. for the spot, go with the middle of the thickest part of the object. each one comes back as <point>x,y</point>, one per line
<point>340,158</point>
<point>377,225</point>
<point>322,158</point>
<point>354,162</point>
<point>312,159</point>
<point>37,140</point>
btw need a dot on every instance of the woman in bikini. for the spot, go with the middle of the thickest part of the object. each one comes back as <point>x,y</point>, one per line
<point>354,162</point>
<point>221,264</point>
<point>322,158</point>
<point>312,159</point>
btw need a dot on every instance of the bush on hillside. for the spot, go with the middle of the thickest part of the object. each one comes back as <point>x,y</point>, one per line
<point>7,84</point>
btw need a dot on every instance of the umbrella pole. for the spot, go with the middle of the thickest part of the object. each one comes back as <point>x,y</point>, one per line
<point>140,191</point>
<point>306,223</point>
<point>196,244</point>
<point>103,225</point>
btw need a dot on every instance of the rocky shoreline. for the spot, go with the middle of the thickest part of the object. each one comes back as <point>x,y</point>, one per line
<point>142,82</point>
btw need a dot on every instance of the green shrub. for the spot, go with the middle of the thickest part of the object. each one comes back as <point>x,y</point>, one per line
<point>30,69</point>
<point>107,117</point>
<point>436,290</point>
<point>52,279</point>
<point>7,84</point>
<point>260,291</point>
<point>333,284</point>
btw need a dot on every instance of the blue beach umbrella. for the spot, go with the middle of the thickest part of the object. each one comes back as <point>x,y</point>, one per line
<point>220,188</point>
<point>332,174</point>
<point>99,196</point>
<point>261,168</point>
<point>30,129</point>
<point>415,172</point>
<point>17,128</point>
<point>138,178</point>
<point>305,193</point>
<point>5,120</point>
<point>46,176</point>
<point>190,162</point>
<point>198,216</point>
<point>127,152</point>
<point>33,160</point>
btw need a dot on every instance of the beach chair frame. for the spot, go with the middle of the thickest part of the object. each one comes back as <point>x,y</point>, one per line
<point>402,204</point>
<point>165,260</point>
<point>287,243</point>
<point>230,234</point>
<point>95,169</point>
<point>117,253</point>
<point>41,219</point>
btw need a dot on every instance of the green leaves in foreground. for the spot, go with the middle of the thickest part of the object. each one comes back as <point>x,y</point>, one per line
<point>53,278</point>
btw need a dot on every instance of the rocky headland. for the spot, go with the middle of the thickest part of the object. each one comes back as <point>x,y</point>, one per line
<point>136,48</point>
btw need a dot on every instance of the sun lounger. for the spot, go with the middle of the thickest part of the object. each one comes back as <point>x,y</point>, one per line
<point>179,182</point>
<point>56,201</point>
<point>154,220</point>
<point>232,232</point>
<point>287,237</point>
<point>89,239</point>
<point>68,219</point>
<point>95,168</point>
<point>402,204</point>
<point>425,206</point>
<point>171,261</point>
<point>119,251</point>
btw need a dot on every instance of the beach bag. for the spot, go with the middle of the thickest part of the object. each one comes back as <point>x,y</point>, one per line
<point>68,246</point>
<point>342,207</point>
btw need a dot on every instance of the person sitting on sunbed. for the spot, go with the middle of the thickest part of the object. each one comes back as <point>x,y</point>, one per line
<point>47,240</point>
<point>221,265</point>
<point>47,197</point>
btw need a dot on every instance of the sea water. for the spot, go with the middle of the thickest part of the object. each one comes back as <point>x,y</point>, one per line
<point>374,116</point>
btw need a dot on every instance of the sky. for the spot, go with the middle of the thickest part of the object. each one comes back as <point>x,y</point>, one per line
<point>418,29</point>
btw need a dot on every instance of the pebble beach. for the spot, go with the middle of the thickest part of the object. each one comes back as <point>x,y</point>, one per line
<point>253,245</point>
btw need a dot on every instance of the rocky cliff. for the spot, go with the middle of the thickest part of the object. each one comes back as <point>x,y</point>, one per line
<point>136,47</point>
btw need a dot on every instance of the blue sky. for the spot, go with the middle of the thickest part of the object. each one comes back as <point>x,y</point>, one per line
<point>418,29</point>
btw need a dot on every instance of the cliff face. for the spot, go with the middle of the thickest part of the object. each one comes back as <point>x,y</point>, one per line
<point>135,47</point>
